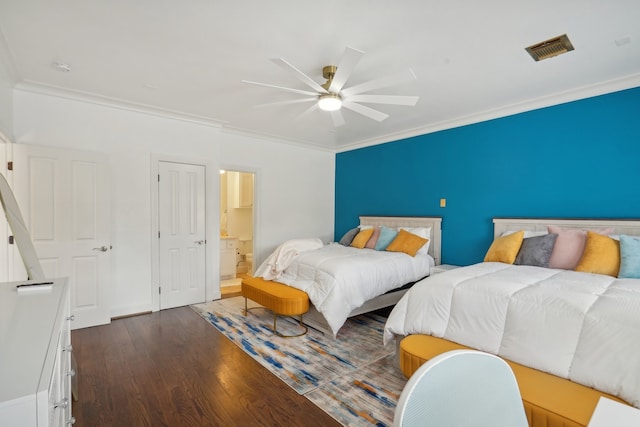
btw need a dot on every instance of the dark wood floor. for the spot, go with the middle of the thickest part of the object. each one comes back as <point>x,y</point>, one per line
<point>171,368</point>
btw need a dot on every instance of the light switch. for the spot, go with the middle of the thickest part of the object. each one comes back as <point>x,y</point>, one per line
<point>443,203</point>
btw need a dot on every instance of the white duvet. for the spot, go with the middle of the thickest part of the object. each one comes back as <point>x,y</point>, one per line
<point>580,326</point>
<point>275,264</point>
<point>339,278</point>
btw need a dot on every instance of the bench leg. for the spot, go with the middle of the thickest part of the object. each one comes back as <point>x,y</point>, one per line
<point>275,321</point>
<point>275,328</point>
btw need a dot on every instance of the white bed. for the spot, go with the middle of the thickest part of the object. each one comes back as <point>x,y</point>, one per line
<point>337,292</point>
<point>579,326</point>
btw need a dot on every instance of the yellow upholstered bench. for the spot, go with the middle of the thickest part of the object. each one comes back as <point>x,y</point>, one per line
<point>280,299</point>
<point>549,401</point>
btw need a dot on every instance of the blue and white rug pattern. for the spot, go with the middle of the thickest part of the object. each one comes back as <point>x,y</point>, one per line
<point>352,377</point>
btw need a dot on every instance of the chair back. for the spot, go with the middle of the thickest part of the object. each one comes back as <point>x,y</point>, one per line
<point>461,388</point>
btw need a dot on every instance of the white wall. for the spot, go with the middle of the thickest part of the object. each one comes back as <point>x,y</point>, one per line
<point>6,93</point>
<point>294,185</point>
<point>6,135</point>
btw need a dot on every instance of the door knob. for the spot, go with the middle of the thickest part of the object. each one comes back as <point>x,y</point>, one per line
<point>102,248</point>
<point>199,242</point>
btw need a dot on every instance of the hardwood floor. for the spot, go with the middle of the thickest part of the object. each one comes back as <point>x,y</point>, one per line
<point>171,368</point>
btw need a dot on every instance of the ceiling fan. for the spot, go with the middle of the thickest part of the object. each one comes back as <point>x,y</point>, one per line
<point>332,95</point>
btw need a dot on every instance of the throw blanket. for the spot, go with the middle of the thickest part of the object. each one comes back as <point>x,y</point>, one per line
<point>281,258</point>
<point>580,326</point>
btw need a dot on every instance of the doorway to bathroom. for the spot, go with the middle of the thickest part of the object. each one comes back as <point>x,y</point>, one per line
<point>236,228</point>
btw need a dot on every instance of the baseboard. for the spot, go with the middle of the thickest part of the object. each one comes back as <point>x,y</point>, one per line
<point>124,316</point>
<point>119,312</point>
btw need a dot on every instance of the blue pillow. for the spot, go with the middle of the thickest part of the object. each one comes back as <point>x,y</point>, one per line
<point>386,237</point>
<point>629,257</point>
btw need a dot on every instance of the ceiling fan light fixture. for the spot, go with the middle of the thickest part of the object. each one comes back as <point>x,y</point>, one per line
<point>329,102</point>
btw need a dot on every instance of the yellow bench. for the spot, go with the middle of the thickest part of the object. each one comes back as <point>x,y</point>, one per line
<point>281,299</point>
<point>549,401</point>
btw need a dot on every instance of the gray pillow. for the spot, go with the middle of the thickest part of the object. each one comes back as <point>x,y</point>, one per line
<point>536,250</point>
<point>349,236</point>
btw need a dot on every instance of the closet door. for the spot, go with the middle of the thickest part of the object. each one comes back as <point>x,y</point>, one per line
<point>64,199</point>
<point>182,234</point>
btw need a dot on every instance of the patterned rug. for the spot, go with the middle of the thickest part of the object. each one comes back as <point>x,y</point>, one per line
<point>353,377</point>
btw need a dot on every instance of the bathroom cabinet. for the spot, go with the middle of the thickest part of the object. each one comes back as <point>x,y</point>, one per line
<point>244,190</point>
<point>228,257</point>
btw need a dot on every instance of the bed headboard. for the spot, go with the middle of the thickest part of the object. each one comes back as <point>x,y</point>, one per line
<point>620,226</point>
<point>412,221</point>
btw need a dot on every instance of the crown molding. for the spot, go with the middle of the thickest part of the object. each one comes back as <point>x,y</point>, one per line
<point>116,103</point>
<point>580,93</point>
<point>564,97</point>
<point>275,138</point>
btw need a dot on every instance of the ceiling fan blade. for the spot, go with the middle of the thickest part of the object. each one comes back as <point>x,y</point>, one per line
<point>396,79</point>
<point>338,118</point>
<point>290,101</point>
<point>365,111</point>
<point>348,62</point>
<point>302,92</point>
<point>385,99</point>
<point>299,74</point>
<point>306,112</point>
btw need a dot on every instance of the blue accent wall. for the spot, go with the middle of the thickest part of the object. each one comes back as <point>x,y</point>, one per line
<point>575,160</point>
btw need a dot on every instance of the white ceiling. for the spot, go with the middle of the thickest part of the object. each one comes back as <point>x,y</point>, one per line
<point>189,57</point>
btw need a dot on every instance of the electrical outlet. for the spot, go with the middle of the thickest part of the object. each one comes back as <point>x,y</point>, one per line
<point>443,203</point>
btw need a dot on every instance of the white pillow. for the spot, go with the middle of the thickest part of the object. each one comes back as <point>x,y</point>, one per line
<point>425,233</point>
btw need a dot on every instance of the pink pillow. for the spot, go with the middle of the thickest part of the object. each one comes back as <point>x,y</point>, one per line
<point>569,246</point>
<point>371,243</point>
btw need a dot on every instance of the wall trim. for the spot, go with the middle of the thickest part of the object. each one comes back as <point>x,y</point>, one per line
<point>601,88</point>
<point>583,92</point>
<point>121,312</point>
<point>120,104</point>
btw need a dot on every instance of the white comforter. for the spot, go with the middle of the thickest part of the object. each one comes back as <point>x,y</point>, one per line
<point>580,326</point>
<point>275,264</point>
<point>339,279</point>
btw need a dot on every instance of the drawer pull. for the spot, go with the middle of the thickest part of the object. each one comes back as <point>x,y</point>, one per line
<point>64,403</point>
<point>72,420</point>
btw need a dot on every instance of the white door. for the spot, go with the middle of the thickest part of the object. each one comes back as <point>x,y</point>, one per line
<point>181,219</point>
<point>64,199</point>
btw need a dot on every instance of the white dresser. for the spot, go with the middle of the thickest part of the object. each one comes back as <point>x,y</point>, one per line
<point>35,356</point>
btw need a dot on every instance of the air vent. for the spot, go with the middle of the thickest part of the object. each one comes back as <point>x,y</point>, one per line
<point>550,48</point>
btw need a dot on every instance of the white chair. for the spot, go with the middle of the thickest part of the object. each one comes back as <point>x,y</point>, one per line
<point>461,388</point>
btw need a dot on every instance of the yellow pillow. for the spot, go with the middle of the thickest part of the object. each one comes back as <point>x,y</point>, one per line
<point>601,255</point>
<point>362,238</point>
<point>406,242</point>
<point>505,249</point>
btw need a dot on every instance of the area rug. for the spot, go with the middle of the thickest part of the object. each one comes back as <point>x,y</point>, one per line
<point>352,377</point>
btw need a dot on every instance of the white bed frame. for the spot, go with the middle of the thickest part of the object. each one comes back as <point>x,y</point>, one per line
<point>316,320</point>
<point>620,226</point>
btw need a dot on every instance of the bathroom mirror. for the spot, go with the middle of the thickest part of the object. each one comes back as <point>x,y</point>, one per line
<point>20,232</point>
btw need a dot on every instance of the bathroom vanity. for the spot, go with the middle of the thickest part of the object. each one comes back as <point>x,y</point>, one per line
<point>228,257</point>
